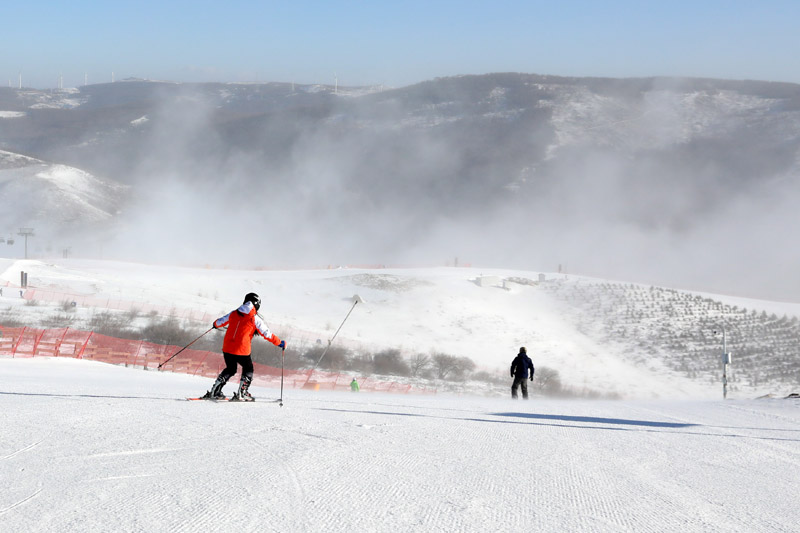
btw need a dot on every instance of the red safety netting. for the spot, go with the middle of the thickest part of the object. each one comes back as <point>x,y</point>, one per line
<point>67,342</point>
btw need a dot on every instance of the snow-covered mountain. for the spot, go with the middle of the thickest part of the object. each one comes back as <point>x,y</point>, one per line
<point>57,199</point>
<point>635,179</point>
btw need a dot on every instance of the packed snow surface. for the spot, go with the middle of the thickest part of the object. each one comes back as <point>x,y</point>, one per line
<point>93,447</point>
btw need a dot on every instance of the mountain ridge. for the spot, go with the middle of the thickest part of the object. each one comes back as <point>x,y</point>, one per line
<point>448,165</point>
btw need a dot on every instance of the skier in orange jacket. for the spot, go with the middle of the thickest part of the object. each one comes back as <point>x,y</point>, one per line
<point>243,324</point>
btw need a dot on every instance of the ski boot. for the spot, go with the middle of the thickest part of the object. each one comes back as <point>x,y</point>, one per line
<point>216,391</point>
<point>243,395</point>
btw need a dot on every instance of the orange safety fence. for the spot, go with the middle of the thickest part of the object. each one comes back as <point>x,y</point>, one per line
<point>143,308</point>
<point>67,342</point>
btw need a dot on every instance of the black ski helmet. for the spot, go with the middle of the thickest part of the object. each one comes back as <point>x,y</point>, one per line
<point>254,299</point>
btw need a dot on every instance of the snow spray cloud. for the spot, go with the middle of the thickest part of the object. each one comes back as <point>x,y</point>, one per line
<point>651,187</point>
<point>664,193</point>
<point>323,199</point>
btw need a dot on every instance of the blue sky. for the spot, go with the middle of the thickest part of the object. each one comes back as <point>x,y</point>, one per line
<point>394,43</point>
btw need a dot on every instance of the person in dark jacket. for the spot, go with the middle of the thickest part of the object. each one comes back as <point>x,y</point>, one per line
<point>519,371</point>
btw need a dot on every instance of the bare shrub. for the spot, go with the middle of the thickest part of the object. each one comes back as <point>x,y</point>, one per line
<point>443,364</point>
<point>336,359</point>
<point>419,364</point>
<point>59,320</point>
<point>10,319</point>
<point>167,331</point>
<point>390,362</point>
<point>67,306</point>
<point>489,377</point>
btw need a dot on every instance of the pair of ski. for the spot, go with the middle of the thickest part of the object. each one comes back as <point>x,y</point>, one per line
<point>231,399</point>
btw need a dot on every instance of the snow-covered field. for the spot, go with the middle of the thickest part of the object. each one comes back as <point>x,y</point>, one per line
<point>90,447</point>
<point>424,310</point>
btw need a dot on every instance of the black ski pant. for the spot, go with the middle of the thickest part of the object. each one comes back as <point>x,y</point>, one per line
<point>520,381</point>
<point>231,361</point>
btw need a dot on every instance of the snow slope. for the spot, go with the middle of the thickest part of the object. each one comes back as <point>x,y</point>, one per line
<point>428,310</point>
<point>92,447</point>
<point>54,196</point>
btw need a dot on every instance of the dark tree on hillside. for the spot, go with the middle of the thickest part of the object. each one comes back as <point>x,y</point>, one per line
<point>418,364</point>
<point>464,367</point>
<point>390,362</point>
<point>444,364</point>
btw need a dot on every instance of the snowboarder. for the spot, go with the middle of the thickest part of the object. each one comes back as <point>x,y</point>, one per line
<point>519,371</point>
<point>354,385</point>
<point>242,323</point>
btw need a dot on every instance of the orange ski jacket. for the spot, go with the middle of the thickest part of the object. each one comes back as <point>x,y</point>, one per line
<point>243,323</point>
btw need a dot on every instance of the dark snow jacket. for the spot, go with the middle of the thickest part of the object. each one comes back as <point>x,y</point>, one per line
<point>520,366</point>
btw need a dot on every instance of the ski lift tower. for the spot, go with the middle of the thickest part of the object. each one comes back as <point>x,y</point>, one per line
<point>26,232</point>
<point>726,360</point>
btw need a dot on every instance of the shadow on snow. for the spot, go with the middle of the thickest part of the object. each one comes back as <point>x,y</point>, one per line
<point>577,422</point>
<point>596,420</point>
<point>52,395</point>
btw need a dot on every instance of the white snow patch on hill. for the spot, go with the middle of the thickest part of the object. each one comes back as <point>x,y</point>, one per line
<point>662,118</point>
<point>14,160</point>
<point>57,99</point>
<point>33,191</point>
<point>11,114</point>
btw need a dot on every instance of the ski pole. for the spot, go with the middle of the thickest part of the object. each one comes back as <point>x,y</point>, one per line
<point>280,400</point>
<point>182,349</point>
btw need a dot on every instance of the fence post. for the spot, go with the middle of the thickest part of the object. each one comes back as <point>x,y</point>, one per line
<point>200,364</point>
<point>57,349</point>
<point>83,348</point>
<point>136,357</point>
<point>19,340</point>
<point>36,342</point>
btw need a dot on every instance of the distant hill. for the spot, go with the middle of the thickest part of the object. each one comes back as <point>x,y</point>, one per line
<point>501,132</point>
<point>450,167</point>
<point>681,333</point>
<point>57,199</point>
